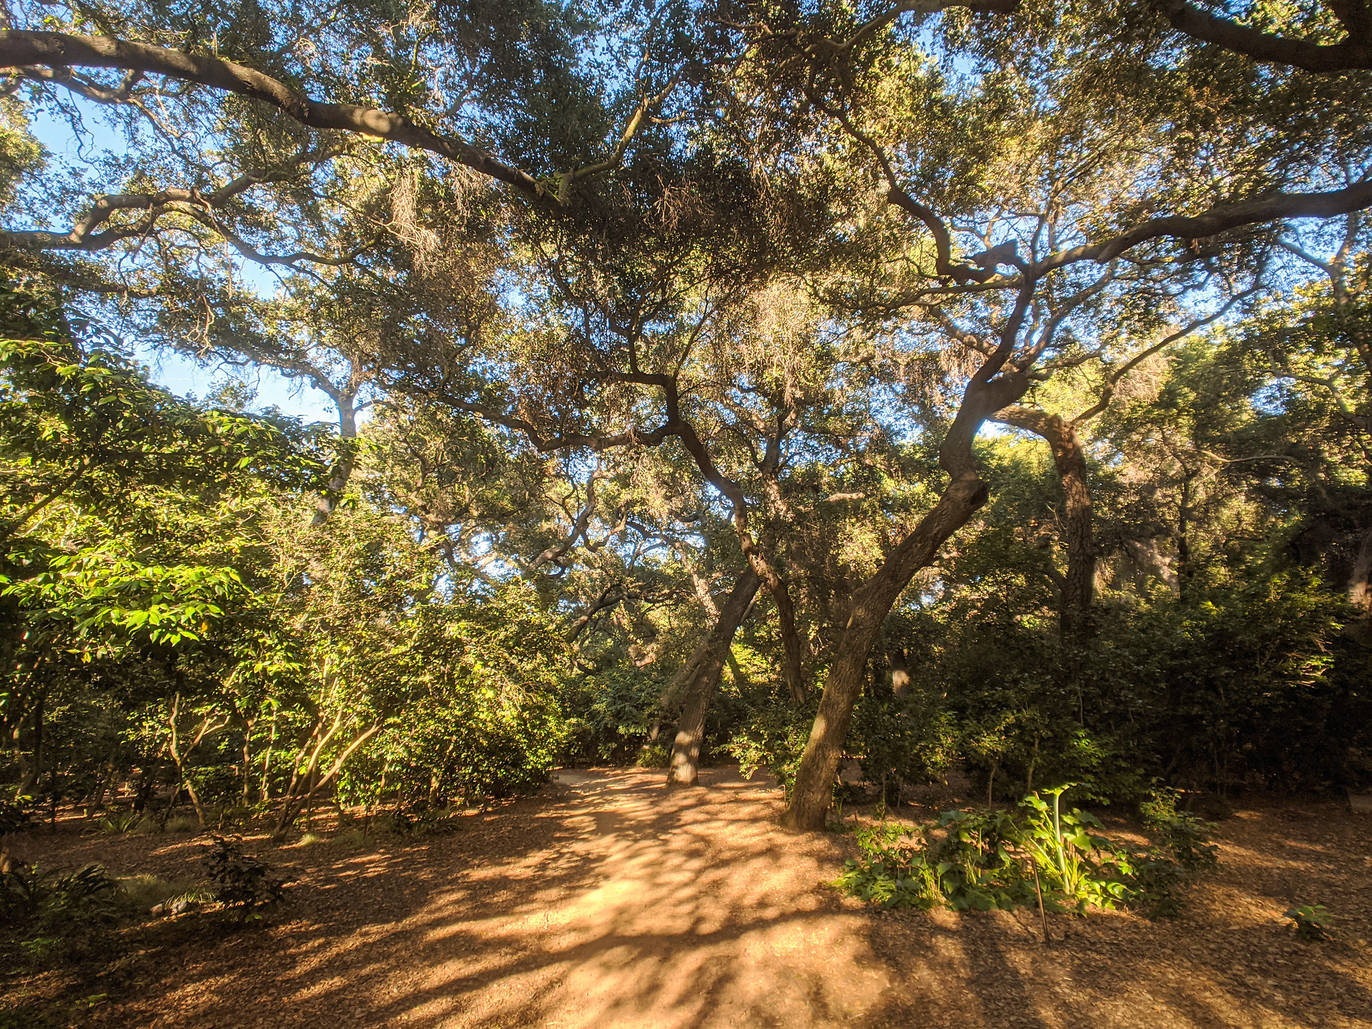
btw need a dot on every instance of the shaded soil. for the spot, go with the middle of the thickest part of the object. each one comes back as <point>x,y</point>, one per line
<point>607,901</point>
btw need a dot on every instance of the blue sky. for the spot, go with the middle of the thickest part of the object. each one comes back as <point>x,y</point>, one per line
<point>177,371</point>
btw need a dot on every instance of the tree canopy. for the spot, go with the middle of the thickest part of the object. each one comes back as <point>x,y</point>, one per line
<point>693,365</point>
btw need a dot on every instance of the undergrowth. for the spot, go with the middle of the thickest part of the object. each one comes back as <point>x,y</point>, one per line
<point>245,885</point>
<point>1038,854</point>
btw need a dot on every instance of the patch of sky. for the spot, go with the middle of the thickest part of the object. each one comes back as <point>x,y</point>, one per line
<point>81,136</point>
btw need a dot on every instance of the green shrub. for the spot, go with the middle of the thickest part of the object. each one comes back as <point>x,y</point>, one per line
<point>983,860</point>
<point>1077,866</point>
<point>57,915</point>
<point>654,755</point>
<point>1160,885</point>
<point>773,738</point>
<point>1180,834</point>
<point>610,713</point>
<point>1310,922</point>
<point>902,741</point>
<point>892,872</point>
<point>243,884</point>
<point>56,899</point>
<point>15,815</point>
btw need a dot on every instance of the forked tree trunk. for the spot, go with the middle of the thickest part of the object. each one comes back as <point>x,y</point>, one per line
<point>696,684</point>
<point>300,794</point>
<point>985,394</point>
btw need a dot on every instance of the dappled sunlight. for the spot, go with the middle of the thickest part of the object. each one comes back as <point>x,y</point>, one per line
<point>631,903</point>
<point>611,901</point>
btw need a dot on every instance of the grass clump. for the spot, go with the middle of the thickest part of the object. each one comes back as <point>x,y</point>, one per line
<point>143,893</point>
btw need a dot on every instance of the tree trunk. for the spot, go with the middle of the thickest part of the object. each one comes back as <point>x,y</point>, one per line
<point>31,768</point>
<point>697,682</point>
<point>986,393</point>
<point>343,470</point>
<point>196,804</point>
<point>248,725</point>
<point>791,645</point>
<point>267,762</point>
<point>1360,588</point>
<point>294,801</point>
<point>1185,570</point>
<point>813,792</point>
<point>1078,585</point>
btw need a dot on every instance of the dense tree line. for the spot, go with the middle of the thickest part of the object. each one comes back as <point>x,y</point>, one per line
<point>937,383</point>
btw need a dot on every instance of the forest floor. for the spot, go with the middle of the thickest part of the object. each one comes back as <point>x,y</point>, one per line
<point>608,901</point>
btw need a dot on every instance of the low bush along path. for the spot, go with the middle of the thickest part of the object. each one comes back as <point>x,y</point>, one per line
<point>608,901</point>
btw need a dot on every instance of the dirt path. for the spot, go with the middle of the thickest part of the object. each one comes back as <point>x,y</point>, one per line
<point>608,902</point>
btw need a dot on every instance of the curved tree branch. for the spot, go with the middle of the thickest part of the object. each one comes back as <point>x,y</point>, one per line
<point>60,50</point>
<point>1219,218</point>
<point>1325,58</point>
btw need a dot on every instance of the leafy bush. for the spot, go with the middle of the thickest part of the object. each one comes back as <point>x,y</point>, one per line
<point>58,915</point>
<point>773,738</point>
<point>56,899</point>
<point>654,755</point>
<point>610,713</point>
<point>983,860</point>
<point>244,884</point>
<point>1180,834</point>
<point>15,815</point>
<point>892,872</point>
<point>1160,886</point>
<point>1238,683</point>
<point>1310,922</point>
<point>1075,864</point>
<point>902,740</point>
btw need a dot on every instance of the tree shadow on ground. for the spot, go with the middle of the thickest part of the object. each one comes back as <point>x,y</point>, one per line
<point>619,904</point>
<point>1227,961</point>
<point>611,901</point>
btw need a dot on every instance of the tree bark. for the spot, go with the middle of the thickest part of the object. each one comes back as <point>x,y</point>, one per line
<point>812,795</point>
<point>986,393</point>
<point>32,770</point>
<point>1078,586</point>
<point>1360,588</point>
<point>296,801</point>
<point>343,470</point>
<point>1185,570</point>
<point>792,656</point>
<point>696,684</point>
<point>1322,58</point>
<point>60,50</point>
